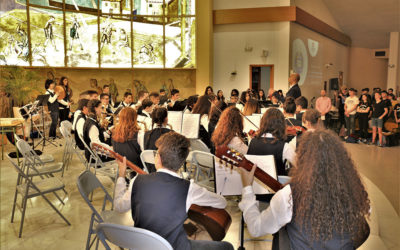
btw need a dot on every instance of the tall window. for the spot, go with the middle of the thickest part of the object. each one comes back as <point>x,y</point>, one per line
<point>98,33</point>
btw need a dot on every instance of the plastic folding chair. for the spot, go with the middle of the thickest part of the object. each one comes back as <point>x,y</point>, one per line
<point>147,156</point>
<point>30,189</point>
<point>87,182</point>
<point>195,145</point>
<point>204,163</point>
<point>131,237</point>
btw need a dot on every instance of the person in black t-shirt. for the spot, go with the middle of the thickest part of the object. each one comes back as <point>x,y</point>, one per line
<point>363,111</point>
<point>388,104</point>
<point>380,110</point>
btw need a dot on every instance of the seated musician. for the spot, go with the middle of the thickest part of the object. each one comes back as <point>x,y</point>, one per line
<point>275,100</point>
<point>323,207</point>
<point>127,102</point>
<point>146,108</point>
<point>251,107</point>
<point>53,106</point>
<point>106,90</point>
<point>142,95</point>
<point>155,98</point>
<point>125,136</point>
<point>202,107</point>
<point>301,107</point>
<point>174,97</point>
<point>229,130</point>
<point>80,121</point>
<point>159,127</point>
<point>105,102</point>
<point>270,140</point>
<point>163,97</point>
<point>311,121</point>
<point>191,101</point>
<point>92,131</point>
<point>160,201</point>
<point>234,101</point>
<point>89,94</point>
<point>289,109</point>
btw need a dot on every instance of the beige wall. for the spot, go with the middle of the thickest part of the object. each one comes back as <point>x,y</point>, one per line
<point>329,51</point>
<point>230,55</point>
<point>239,4</point>
<point>366,71</point>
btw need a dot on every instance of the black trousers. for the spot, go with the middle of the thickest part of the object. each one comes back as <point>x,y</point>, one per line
<point>54,121</point>
<point>363,124</point>
<point>64,114</point>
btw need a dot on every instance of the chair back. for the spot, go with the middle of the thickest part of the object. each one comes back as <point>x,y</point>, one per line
<point>65,128</point>
<point>147,156</point>
<point>199,145</point>
<point>87,182</point>
<point>31,159</point>
<point>131,237</point>
<point>203,159</point>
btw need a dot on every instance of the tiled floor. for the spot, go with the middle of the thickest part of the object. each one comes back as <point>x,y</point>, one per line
<point>44,229</point>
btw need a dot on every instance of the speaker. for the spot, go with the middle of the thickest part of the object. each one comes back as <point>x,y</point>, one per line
<point>334,84</point>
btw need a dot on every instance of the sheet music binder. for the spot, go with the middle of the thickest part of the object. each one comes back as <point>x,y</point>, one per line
<point>185,124</point>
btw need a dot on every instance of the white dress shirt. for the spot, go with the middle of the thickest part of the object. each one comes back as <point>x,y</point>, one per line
<point>53,98</point>
<point>94,135</point>
<point>196,195</point>
<point>76,114</point>
<point>79,126</point>
<point>270,220</point>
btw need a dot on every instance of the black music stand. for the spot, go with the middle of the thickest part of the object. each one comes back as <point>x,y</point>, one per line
<point>43,99</point>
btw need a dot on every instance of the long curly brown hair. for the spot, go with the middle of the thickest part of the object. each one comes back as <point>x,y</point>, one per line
<point>127,126</point>
<point>328,195</point>
<point>230,124</point>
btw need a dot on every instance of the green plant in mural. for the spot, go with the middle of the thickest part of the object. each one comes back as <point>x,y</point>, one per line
<point>22,84</point>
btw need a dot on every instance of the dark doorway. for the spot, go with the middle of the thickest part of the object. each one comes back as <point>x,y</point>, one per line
<point>262,77</point>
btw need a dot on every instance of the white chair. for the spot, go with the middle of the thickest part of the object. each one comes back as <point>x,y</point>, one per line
<point>204,163</point>
<point>195,145</point>
<point>87,182</point>
<point>147,156</point>
<point>131,237</point>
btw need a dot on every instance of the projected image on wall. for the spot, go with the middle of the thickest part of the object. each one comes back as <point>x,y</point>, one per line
<point>14,44</point>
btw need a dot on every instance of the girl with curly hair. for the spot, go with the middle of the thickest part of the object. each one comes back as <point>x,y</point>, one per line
<point>229,130</point>
<point>270,140</point>
<point>325,204</point>
<point>125,136</point>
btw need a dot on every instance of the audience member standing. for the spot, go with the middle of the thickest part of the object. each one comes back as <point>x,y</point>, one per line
<point>350,110</point>
<point>363,113</point>
<point>324,105</point>
<point>379,111</point>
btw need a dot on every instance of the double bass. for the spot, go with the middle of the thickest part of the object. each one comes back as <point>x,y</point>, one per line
<point>216,221</point>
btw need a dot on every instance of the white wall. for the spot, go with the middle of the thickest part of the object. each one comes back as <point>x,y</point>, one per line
<point>229,54</point>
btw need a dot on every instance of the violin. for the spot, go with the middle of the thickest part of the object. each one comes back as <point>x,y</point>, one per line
<point>216,221</point>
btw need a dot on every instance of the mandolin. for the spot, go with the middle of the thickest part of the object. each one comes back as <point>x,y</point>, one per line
<point>216,221</point>
<point>237,159</point>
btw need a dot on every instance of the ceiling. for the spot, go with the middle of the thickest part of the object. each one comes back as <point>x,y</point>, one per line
<point>367,22</point>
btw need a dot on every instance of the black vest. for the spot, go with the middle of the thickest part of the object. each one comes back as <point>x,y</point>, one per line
<point>88,124</point>
<point>159,205</point>
<point>78,141</point>
<point>150,137</point>
<point>130,149</point>
<point>264,146</point>
<point>53,107</point>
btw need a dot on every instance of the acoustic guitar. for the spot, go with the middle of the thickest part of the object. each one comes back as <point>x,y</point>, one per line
<point>216,221</point>
<point>233,158</point>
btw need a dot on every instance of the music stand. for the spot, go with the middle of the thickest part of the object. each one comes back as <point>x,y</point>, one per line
<point>43,99</point>
<point>30,112</point>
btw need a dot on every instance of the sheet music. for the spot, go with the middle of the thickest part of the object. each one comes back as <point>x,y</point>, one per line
<point>247,125</point>
<point>175,120</point>
<point>228,182</point>
<point>191,125</point>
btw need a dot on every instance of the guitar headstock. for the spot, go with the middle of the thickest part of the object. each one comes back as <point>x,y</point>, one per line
<point>103,151</point>
<point>232,157</point>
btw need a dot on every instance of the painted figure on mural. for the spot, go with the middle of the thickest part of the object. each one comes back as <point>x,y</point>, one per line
<point>106,33</point>
<point>74,33</point>
<point>48,32</point>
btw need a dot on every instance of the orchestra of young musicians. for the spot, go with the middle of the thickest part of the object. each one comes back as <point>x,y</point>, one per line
<point>144,125</point>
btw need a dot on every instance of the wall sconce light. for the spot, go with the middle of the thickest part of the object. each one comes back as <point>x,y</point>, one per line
<point>264,54</point>
<point>391,66</point>
<point>248,48</point>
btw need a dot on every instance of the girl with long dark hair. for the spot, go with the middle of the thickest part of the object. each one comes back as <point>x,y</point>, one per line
<point>66,102</point>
